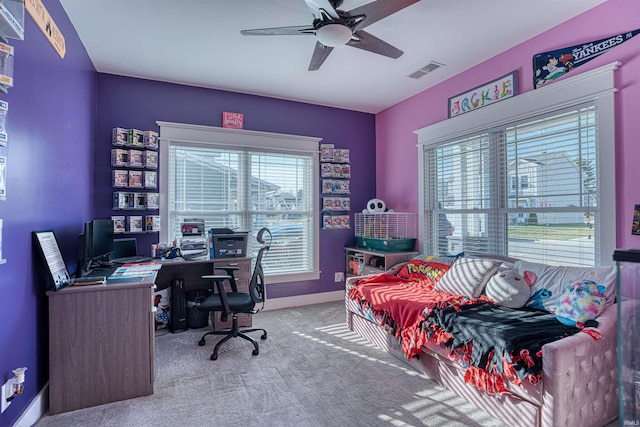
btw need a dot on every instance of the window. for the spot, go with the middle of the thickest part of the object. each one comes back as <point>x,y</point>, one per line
<point>514,182</point>
<point>525,181</point>
<point>245,181</point>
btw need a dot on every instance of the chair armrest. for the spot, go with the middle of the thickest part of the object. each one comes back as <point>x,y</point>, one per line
<point>229,269</point>
<point>219,281</point>
<point>580,376</point>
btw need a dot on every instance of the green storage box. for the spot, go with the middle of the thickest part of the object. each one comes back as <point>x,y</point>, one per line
<point>385,245</point>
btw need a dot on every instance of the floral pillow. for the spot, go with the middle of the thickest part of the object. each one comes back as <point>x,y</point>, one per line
<point>468,276</point>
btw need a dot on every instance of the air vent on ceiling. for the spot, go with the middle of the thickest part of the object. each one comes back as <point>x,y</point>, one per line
<point>426,69</point>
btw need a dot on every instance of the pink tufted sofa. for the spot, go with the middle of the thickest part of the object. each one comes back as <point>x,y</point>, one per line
<point>578,388</point>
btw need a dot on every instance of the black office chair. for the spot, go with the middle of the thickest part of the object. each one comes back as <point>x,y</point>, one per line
<point>234,302</point>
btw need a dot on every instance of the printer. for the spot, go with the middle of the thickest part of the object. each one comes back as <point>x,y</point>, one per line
<point>225,243</point>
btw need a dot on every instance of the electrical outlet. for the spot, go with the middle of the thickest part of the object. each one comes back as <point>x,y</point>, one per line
<point>4,395</point>
<point>338,277</point>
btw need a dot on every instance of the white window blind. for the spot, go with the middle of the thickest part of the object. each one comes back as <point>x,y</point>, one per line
<point>532,176</point>
<point>526,189</point>
<point>244,186</point>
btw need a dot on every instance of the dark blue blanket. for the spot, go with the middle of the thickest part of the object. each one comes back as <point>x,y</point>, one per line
<point>500,335</point>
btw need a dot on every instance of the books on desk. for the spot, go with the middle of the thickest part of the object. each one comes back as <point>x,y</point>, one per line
<point>83,281</point>
<point>140,269</point>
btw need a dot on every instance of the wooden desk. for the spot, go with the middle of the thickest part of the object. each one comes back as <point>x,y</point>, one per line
<point>102,337</point>
<point>101,344</point>
<point>192,272</point>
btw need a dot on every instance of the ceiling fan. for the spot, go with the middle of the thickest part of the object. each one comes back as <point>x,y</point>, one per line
<point>333,27</point>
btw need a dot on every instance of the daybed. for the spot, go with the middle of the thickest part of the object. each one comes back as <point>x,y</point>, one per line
<point>576,384</point>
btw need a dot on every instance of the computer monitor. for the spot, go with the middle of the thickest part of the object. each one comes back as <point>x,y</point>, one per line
<point>95,243</point>
<point>127,247</point>
<point>84,251</point>
<point>101,239</point>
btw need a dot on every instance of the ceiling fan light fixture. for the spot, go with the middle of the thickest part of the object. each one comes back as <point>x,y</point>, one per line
<point>334,35</point>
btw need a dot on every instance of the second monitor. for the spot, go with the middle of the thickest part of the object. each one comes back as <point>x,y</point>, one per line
<point>126,251</point>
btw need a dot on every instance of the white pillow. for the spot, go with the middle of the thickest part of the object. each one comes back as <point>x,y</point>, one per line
<point>468,277</point>
<point>552,280</point>
<point>503,258</point>
<point>507,262</point>
<point>508,288</point>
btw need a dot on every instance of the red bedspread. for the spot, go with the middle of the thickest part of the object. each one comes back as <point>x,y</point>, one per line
<point>403,302</point>
<point>416,312</point>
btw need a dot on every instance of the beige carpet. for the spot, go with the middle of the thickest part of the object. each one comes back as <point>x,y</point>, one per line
<point>311,371</point>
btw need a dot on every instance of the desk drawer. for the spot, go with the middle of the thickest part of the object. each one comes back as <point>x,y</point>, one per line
<point>244,267</point>
<point>243,276</point>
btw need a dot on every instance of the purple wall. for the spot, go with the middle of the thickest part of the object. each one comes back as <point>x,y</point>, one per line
<point>396,142</point>
<point>51,122</point>
<point>135,103</point>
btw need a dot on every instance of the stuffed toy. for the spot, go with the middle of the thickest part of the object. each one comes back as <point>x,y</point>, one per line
<point>510,289</point>
<point>538,298</point>
<point>376,206</point>
<point>580,303</point>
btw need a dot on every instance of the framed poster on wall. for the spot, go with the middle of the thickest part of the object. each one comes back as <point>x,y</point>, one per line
<point>47,246</point>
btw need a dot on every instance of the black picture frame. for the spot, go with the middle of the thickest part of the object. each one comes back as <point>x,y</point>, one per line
<point>47,245</point>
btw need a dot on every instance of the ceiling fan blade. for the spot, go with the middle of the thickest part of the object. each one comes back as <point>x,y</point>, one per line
<point>373,44</point>
<point>379,9</point>
<point>280,31</point>
<point>318,6</point>
<point>320,53</point>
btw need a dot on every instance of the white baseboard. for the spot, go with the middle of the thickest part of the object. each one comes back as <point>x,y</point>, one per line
<point>301,300</point>
<point>36,409</point>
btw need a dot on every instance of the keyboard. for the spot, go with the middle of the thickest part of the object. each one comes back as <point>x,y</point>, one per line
<point>131,259</point>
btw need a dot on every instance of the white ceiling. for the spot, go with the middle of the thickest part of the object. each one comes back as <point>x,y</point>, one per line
<point>198,43</point>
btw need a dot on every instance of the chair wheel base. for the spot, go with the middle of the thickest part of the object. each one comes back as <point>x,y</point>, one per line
<point>201,342</point>
<point>255,352</point>
<point>214,357</point>
<point>264,336</point>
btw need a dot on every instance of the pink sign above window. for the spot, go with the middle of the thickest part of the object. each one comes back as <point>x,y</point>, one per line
<point>232,120</point>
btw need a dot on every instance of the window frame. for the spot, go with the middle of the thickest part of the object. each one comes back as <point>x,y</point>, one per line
<point>181,134</point>
<point>597,85</point>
